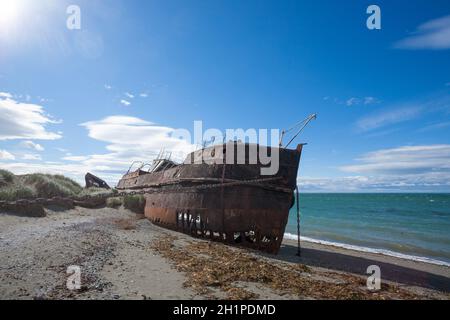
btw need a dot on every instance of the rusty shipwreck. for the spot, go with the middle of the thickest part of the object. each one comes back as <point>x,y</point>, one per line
<point>208,197</point>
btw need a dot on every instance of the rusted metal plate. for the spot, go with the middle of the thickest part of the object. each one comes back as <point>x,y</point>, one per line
<point>250,216</point>
<point>215,200</point>
<point>94,181</point>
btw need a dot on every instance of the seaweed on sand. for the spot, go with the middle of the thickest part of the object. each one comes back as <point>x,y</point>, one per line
<point>210,265</point>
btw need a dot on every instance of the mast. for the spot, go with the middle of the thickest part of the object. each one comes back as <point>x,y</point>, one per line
<point>302,124</point>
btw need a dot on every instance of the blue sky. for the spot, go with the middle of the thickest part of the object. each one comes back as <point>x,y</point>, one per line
<point>97,98</point>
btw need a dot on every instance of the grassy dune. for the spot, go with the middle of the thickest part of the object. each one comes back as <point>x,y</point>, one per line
<point>38,185</point>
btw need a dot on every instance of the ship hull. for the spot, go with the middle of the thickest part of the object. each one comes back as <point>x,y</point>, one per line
<point>242,215</point>
<point>231,203</point>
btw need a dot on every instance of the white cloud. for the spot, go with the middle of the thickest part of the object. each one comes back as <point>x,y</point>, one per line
<point>125,102</point>
<point>108,87</point>
<point>129,95</point>
<point>134,135</point>
<point>31,145</point>
<point>398,113</point>
<point>75,158</point>
<point>5,95</point>
<point>435,126</point>
<point>404,160</point>
<point>24,120</point>
<point>434,34</point>
<point>385,118</point>
<point>404,169</point>
<point>127,138</point>
<point>352,101</point>
<point>43,100</point>
<point>143,95</point>
<point>118,120</point>
<point>5,155</point>
<point>370,183</point>
<point>31,157</point>
<point>370,100</point>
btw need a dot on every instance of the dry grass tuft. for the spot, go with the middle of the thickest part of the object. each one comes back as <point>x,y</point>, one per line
<point>114,202</point>
<point>214,265</point>
<point>14,192</point>
<point>6,176</point>
<point>135,203</point>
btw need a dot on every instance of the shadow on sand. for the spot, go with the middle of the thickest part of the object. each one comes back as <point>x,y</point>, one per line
<point>358,265</point>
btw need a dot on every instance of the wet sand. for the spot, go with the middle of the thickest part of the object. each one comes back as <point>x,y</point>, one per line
<point>406,272</point>
<point>116,253</point>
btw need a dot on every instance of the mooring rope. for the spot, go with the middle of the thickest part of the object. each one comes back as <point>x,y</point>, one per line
<point>298,222</point>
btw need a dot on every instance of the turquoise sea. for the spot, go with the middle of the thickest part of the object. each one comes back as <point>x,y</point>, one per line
<point>411,226</point>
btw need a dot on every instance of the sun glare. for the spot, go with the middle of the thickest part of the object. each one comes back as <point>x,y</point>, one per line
<point>9,13</point>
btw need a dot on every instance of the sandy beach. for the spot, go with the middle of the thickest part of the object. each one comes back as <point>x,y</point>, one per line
<point>124,256</point>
